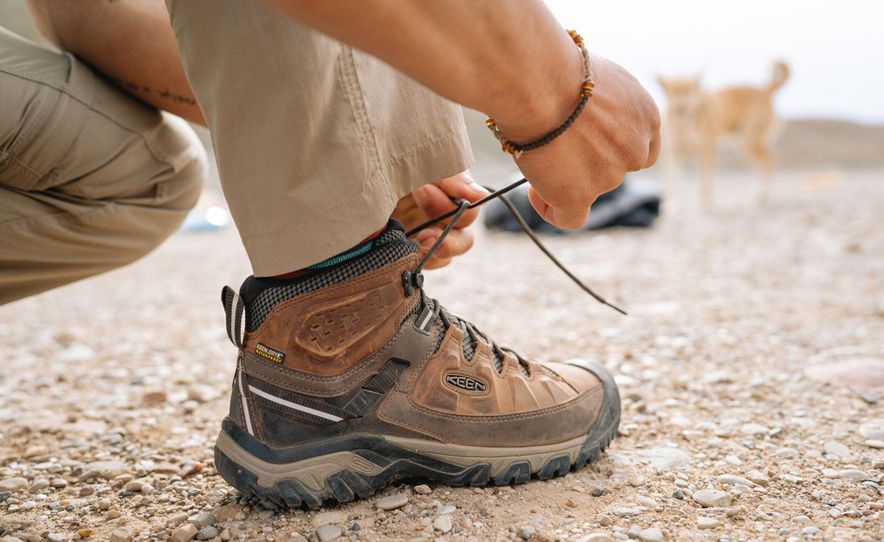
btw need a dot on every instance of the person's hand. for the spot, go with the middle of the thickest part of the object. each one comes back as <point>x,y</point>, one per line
<point>618,131</point>
<point>432,200</point>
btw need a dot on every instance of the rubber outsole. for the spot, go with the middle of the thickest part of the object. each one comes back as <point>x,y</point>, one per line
<point>364,464</point>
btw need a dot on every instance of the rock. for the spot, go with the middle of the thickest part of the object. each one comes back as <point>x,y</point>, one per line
<point>787,453</point>
<point>447,509</point>
<point>810,530</point>
<point>422,489</point>
<point>103,504</point>
<point>710,498</point>
<point>191,468</point>
<point>58,483</point>
<point>154,398</point>
<point>730,480</point>
<point>570,503</point>
<point>856,373</point>
<point>758,477</point>
<point>598,491</point>
<point>176,519</point>
<point>596,537</point>
<point>626,512</point>
<point>442,523</point>
<point>85,533</point>
<point>330,518</point>
<point>876,444</point>
<point>327,533</point>
<point>525,532</point>
<point>39,484</point>
<point>873,429</point>
<point>185,533</point>
<point>849,474</point>
<point>14,484</point>
<point>107,470</point>
<point>120,535</point>
<point>652,534</point>
<point>392,502</point>
<point>647,502</point>
<point>60,537</point>
<point>707,523</point>
<point>203,519</point>
<point>5,495</point>
<point>661,458</point>
<point>791,478</point>
<point>836,449</point>
<point>207,533</point>
<point>753,429</point>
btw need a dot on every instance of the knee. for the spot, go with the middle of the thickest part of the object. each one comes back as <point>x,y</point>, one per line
<point>187,166</point>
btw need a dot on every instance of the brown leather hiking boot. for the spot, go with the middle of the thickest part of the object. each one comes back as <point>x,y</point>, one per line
<point>353,376</point>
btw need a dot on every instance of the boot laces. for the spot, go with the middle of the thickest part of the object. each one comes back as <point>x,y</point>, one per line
<point>413,280</point>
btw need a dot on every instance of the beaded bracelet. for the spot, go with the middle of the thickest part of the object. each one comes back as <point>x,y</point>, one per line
<point>586,91</point>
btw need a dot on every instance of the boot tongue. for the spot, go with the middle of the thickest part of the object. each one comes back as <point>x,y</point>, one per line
<point>261,294</point>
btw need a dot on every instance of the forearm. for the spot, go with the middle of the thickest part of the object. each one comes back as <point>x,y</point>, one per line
<point>131,43</point>
<point>509,59</point>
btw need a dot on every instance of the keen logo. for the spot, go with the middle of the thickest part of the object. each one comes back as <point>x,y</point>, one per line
<point>269,353</point>
<point>467,383</point>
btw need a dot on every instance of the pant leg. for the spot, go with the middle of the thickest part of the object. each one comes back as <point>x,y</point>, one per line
<point>315,142</point>
<point>90,179</point>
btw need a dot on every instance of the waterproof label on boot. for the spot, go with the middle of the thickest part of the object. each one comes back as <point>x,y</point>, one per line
<point>269,353</point>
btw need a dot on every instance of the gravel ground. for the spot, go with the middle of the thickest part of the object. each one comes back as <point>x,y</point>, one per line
<point>742,364</point>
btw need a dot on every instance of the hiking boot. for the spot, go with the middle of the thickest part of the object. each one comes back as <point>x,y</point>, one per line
<point>352,376</point>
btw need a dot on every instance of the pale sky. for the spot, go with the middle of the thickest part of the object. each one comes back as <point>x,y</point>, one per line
<point>835,49</point>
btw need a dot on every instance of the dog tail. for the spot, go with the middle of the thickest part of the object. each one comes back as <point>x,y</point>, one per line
<point>779,76</point>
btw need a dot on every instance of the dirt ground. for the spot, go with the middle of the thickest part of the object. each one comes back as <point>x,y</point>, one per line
<point>112,390</point>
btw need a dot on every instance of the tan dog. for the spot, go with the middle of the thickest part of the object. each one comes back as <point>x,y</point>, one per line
<point>696,121</point>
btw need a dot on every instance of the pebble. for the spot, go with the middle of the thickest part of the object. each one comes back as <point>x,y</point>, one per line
<point>525,532</point>
<point>849,474</point>
<point>330,518</point>
<point>107,470</point>
<point>837,449</point>
<point>876,444</point>
<point>707,523</point>
<point>661,458</point>
<point>422,489</point>
<point>207,533</point>
<point>710,498</point>
<point>442,523</point>
<point>753,429</point>
<point>758,477</point>
<point>596,537</point>
<point>327,533</point>
<point>810,530</point>
<point>60,537</point>
<point>14,484</point>
<point>873,429</point>
<point>731,480</point>
<point>626,512</point>
<point>58,483</point>
<point>103,504</point>
<point>85,533</point>
<point>647,502</point>
<point>203,519</point>
<point>652,534</point>
<point>185,533</point>
<point>598,491</point>
<point>392,502</point>
<point>120,535</point>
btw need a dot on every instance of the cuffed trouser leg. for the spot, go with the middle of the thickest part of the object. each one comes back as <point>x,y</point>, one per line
<point>90,179</point>
<point>315,142</point>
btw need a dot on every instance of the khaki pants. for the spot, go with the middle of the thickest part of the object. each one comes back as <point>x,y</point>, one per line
<point>90,179</point>
<point>315,142</point>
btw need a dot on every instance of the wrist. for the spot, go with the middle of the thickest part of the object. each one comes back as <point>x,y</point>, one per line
<point>545,106</point>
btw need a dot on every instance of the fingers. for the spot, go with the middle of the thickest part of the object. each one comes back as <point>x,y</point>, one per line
<point>435,199</point>
<point>571,218</point>
<point>457,242</point>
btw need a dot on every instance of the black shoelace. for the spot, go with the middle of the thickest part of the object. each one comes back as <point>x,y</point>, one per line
<point>414,279</point>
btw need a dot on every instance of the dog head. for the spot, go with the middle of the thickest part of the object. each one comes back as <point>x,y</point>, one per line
<point>684,96</point>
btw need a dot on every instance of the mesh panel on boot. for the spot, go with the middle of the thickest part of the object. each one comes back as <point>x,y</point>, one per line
<point>262,294</point>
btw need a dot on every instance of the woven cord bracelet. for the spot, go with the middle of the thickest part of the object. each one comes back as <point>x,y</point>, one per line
<point>586,91</point>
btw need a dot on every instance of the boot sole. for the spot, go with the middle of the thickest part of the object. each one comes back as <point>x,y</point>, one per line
<point>357,466</point>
